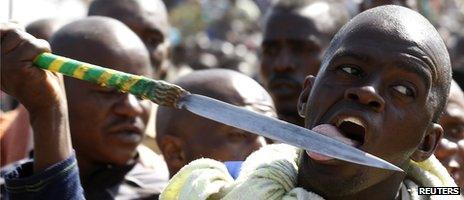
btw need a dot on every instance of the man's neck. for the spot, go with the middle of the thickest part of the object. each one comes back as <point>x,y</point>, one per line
<point>386,190</point>
<point>86,167</point>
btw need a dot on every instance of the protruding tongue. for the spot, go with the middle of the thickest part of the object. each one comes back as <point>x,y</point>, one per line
<point>332,132</point>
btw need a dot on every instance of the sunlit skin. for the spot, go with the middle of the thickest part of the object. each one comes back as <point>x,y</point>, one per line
<point>148,19</point>
<point>106,125</point>
<point>292,47</point>
<point>450,150</point>
<point>184,137</point>
<point>384,75</point>
<point>368,4</point>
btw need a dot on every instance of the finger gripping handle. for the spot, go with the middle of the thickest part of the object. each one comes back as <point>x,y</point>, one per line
<point>160,92</point>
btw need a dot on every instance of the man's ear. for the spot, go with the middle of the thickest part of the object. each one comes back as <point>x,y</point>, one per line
<point>171,147</point>
<point>308,84</point>
<point>429,143</point>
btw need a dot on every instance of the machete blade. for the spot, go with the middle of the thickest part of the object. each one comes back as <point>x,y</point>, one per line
<point>278,130</point>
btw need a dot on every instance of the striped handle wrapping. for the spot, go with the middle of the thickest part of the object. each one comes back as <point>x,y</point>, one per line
<point>160,92</point>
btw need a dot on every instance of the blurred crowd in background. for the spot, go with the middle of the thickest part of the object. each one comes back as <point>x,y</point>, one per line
<point>227,33</point>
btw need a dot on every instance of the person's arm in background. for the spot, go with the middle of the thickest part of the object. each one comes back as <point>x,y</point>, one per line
<point>53,173</point>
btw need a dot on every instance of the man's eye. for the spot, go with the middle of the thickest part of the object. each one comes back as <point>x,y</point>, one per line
<point>270,51</point>
<point>351,70</point>
<point>153,41</point>
<point>404,90</point>
<point>298,47</point>
<point>237,136</point>
<point>105,90</point>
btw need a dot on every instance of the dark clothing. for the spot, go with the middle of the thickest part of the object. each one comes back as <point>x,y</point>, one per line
<point>128,182</point>
<point>60,181</point>
<point>140,180</point>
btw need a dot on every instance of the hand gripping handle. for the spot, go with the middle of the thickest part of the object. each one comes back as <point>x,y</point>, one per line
<point>160,92</point>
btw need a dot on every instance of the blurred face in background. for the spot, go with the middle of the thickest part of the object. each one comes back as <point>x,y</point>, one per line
<point>291,50</point>
<point>451,148</point>
<point>148,19</point>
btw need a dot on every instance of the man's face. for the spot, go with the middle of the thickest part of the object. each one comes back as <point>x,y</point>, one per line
<point>209,139</point>
<point>107,125</point>
<point>151,25</point>
<point>377,97</point>
<point>200,137</point>
<point>450,150</point>
<point>291,50</point>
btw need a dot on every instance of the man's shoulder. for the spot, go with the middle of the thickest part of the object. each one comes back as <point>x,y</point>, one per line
<point>145,179</point>
<point>151,160</point>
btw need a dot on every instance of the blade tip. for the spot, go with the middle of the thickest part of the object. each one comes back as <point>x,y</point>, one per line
<point>395,168</point>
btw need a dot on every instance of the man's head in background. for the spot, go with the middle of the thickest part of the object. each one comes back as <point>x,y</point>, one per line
<point>450,150</point>
<point>457,59</point>
<point>368,4</point>
<point>148,19</point>
<point>296,33</point>
<point>457,52</point>
<point>44,28</point>
<point>458,76</point>
<point>184,137</point>
<point>106,125</point>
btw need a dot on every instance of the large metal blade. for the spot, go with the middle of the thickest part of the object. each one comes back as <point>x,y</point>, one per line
<point>278,130</point>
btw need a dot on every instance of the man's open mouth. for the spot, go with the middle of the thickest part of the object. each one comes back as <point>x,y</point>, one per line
<point>347,129</point>
<point>352,128</point>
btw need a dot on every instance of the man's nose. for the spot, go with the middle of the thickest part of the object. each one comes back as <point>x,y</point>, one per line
<point>284,61</point>
<point>128,105</point>
<point>366,95</point>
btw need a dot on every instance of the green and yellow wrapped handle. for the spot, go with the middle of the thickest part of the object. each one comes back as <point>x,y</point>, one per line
<point>160,92</point>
